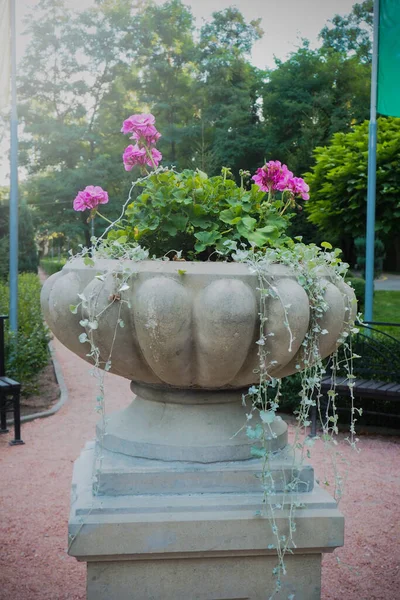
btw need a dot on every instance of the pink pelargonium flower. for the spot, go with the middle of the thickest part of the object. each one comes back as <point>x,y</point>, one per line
<point>272,176</point>
<point>157,157</point>
<point>133,155</point>
<point>90,198</point>
<point>299,187</point>
<point>148,135</point>
<point>137,123</point>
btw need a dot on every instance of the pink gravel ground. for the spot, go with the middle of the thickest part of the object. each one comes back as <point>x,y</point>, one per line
<point>35,484</point>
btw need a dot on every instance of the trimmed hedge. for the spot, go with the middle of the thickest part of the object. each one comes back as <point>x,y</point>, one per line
<point>26,353</point>
<point>52,265</point>
<point>358,284</point>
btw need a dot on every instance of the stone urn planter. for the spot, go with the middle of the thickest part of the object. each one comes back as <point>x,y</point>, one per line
<point>173,515</point>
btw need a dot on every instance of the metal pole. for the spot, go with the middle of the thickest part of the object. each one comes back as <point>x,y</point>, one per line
<point>2,357</point>
<point>371,195</point>
<point>13,181</point>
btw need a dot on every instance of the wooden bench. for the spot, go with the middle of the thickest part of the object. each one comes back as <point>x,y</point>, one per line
<point>10,391</point>
<point>377,372</point>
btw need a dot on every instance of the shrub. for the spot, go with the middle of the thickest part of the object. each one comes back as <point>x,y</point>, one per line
<point>52,265</point>
<point>379,255</point>
<point>26,352</point>
<point>358,284</point>
<point>4,264</point>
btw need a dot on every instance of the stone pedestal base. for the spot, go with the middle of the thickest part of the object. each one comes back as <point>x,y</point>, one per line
<point>178,545</point>
<point>238,577</point>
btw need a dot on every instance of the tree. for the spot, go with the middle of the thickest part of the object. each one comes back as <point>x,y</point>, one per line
<point>165,61</point>
<point>68,70</point>
<point>307,98</point>
<point>351,34</point>
<point>228,91</point>
<point>338,186</point>
<point>27,252</point>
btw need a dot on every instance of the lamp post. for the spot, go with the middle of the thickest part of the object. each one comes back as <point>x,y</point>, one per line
<point>13,180</point>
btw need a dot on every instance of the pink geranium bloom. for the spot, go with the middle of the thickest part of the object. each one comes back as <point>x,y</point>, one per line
<point>137,123</point>
<point>90,198</point>
<point>299,187</point>
<point>133,155</point>
<point>157,156</point>
<point>272,176</point>
<point>148,135</point>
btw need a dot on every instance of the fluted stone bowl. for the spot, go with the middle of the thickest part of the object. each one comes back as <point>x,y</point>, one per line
<point>188,339</point>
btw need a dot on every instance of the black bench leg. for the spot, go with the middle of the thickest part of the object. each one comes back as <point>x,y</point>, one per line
<point>3,415</point>
<point>17,422</point>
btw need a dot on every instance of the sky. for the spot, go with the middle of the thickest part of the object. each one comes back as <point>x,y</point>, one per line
<point>285,23</point>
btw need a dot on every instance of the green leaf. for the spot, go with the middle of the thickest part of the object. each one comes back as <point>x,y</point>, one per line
<point>89,262</point>
<point>267,416</point>
<point>257,238</point>
<point>249,222</point>
<point>231,215</point>
<point>207,237</point>
<point>169,228</point>
<point>154,224</point>
<point>258,452</point>
<point>267,229</point>
<point>254,433</point>
<point>180,222</point>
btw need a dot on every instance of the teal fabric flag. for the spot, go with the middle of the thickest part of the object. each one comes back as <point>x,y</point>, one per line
<point>389,58</point>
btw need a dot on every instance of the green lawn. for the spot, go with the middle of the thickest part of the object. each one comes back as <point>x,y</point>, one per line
<point>387,308</point>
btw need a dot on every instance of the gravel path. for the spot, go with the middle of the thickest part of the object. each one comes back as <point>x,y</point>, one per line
<point>35,487</point>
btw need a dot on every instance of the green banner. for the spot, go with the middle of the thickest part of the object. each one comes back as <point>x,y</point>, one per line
<point>389,58</point>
